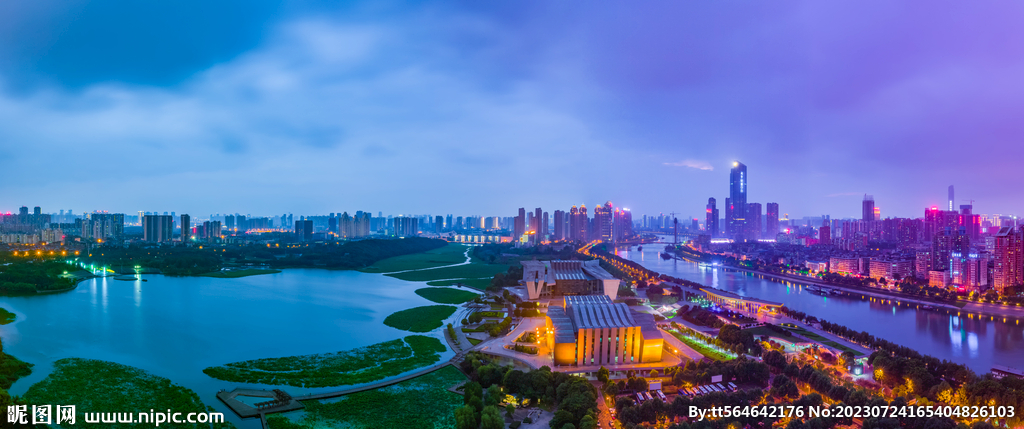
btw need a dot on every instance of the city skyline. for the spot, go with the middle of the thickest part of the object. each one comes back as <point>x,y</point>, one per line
<point>411,107</point>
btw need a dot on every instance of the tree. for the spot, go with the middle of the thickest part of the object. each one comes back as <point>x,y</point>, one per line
<point>465,418</point>
<point>493,395</point>
<point>510,411</point>
<point>491,418</point>
<point>602,374</point>
<point>654,373</point>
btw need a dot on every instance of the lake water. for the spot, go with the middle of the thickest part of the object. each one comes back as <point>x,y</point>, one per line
<point>977,343</point>
<point>174,327</point>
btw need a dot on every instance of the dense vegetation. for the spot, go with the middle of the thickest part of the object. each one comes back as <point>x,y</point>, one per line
<point>21,277</point>
<point>197,260</point>
<point>701,317</point>
<point>447,255</point>
<point>6,317</point>
<point>443,295</point>
<point>575,398</point>
<point>100,386</point>
<point>420,319</point>
<point>356,366</point>
<point>421,403</point>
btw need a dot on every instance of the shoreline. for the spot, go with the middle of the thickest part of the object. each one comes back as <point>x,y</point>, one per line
<point>971,308</point>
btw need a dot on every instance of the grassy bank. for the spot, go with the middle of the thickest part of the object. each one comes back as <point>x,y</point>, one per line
<point>447,255</point>
<point>356,366</point>
<point>6,316</point>
<point>443,295</point>
<point>95,385</point>
<point>234,274</point>
<point>423,402</point>
<point>420,319</point>
<point>468,271</point>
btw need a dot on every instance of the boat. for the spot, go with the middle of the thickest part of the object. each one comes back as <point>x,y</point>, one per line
<point>665,256</point>
<point>639,248</point>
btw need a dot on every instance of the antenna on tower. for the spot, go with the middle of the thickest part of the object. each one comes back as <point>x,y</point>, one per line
<point>675,229</point>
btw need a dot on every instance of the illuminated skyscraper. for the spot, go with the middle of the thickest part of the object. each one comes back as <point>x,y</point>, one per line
<point>711,218</point>
<point>603,222</point>
<point>951,200</point>
<point>738,199</point>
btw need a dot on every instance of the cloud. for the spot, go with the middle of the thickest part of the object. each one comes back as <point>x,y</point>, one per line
<point>692,163</point>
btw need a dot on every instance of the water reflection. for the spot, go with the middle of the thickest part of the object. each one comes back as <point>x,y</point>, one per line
<point>976,342</point>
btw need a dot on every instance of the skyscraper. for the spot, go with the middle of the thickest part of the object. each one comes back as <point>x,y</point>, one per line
<point>867,208</point>
<point>951,200</point>
<point>186,228</point>
<point>772,221</point>
<point>157,228</point>
<point>738,199</point>
<point>520,225</point>
<point>1008,269</point>
<point>753,221</point>
<point>559,225</point>
<point>578,224</point>
<point>304,230</point>
<point>711,218</point>
<point>603,222</point>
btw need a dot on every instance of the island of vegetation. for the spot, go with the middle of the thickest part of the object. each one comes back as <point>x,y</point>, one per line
<point>356,366</point>
<point>95,385</point>
<point>420,319</point>
<point>11,369</point>
<point>443,295</point>
<point>6,317</point>
<point>400,406</point>
<point>28,277</point>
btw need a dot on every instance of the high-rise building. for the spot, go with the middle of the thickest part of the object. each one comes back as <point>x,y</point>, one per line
<point>947,242</point>
<point>867,208</point>
<point>438,224</point>
<point>728,217</point>
<point>186,228</point>
<point>406,226</point>
<point>157,228</point>
<point>304,230</point>
<point>579,224</point>
<point>622,226</point>
<point>754,221</point>
<point>603,216</point>
<point>738,200</point>
<point>519,228</point>
<point>772,220</point>
<point>537,222</point>
<point>559,225</point>
<point>951,200</point>
<point>711,218</point>
<point>1008,268</point>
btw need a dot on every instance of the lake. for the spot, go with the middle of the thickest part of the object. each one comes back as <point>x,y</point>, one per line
<point>174,327</point>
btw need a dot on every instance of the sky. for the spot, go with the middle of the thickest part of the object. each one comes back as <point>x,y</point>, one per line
<point>479,108</point>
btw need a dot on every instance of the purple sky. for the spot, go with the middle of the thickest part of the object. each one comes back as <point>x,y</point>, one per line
<point>461,108</point>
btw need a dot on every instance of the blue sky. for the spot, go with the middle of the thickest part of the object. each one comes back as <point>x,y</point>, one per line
<point>481,108</point>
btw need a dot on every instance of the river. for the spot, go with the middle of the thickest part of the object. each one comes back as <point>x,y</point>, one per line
<point>174,327</point>
<point>979,344</point>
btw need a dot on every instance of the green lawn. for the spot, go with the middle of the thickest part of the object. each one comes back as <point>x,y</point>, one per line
<point>474,341</point>
<point>701,347</point>
<point>443,295</point>
<point>468,271</point>
<point>100,386</point>
<point>447,255</point>
<point>234,274</point>
<point>423,402</point>
<point>478,284</point>
<point>356,366</point>
<point>6,316</point>
<point>420,319</point>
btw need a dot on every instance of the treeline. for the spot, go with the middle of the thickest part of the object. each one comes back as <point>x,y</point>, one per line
<point>509,278</point>
<point>29,277</point>
<point>190,261</point>
<point>575,398</point>
<point>910,373</point>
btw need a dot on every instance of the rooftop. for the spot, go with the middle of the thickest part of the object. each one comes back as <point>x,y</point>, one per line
<point>730,295</point>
